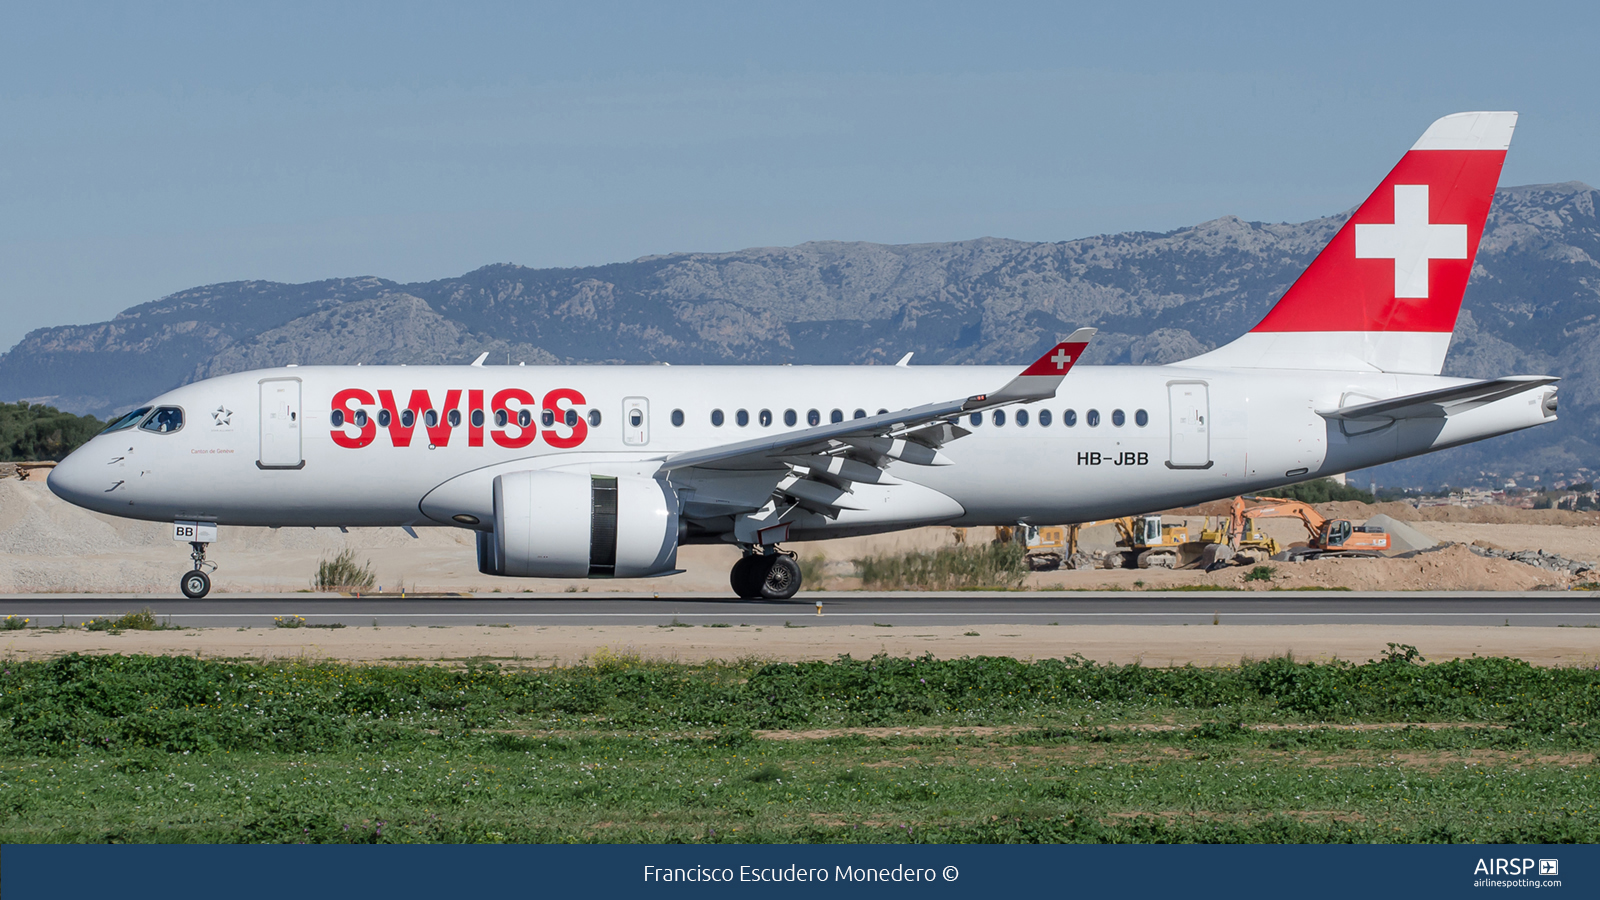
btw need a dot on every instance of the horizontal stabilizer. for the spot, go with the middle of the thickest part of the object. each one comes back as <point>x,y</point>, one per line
<point>1440,403</point>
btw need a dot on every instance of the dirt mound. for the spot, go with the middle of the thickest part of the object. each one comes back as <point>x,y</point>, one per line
<point>1357,511</point>
<point>1452,568</point>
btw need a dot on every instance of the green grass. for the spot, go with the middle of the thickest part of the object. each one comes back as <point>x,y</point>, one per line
<point>962,567</point>
<point>122,748</point>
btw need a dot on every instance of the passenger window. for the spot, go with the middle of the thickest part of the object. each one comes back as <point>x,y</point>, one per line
<point>716,417</point>
<point>765,418</point>
<point>594,418</point>
<point>1141,418</point>
<point>1044,418</point>
<point>361,418</point>
<point>635,418</point>
<point>999,417</point>
<point>525,418</point>
<point>883,412</point>
<point>1022,417</point>
<point>1092,418</point>
<point>677,418</point>
<point>127,421</point>
<point>384,418</point>
<point>813,417</point>
<point>408,418</point>
<point>164,420</point>
<point>571,418</point>
<point>976,419</point>
<point>836,416</point>
<point>789,418</point>
<point>1069,418</point>
<point>742,418</point>
<point>501,417</point>
<point>430,418</point>
<point>547,417</point>
<point>337,419</point>
<point>477,418</point>
<point>860,414</point>
<point>1117,418</point>
<point>454,418</point>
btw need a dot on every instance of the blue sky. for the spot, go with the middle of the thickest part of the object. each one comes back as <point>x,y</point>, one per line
<point>148,149</point>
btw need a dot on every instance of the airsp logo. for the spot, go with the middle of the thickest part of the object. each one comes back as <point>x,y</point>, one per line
<point>1501,866</point>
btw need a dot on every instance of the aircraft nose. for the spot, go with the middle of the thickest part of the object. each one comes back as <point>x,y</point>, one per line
<point>73,480</point>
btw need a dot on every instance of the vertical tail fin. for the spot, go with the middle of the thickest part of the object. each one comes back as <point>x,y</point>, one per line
<point>1385,292</point>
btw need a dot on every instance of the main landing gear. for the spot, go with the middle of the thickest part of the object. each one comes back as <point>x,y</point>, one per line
<point>765,573</point>
<point>196,584</point>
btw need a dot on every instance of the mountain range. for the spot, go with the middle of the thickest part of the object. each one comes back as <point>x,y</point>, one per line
<point>1532,307</point>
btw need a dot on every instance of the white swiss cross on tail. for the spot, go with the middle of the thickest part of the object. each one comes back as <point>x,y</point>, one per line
<point>1411,241</point>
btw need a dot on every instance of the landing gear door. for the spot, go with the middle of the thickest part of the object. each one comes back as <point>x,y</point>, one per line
<point>280,424</point>
<point>635,421</point>
<point>1190,419</point>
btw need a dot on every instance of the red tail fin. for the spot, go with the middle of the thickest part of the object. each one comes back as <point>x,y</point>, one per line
<point>1385,292</point>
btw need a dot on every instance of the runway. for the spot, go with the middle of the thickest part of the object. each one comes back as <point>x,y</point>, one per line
<point>1571,609</point>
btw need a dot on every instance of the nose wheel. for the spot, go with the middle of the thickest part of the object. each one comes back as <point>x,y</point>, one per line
<point>772,575</point>
<point>196,583</point>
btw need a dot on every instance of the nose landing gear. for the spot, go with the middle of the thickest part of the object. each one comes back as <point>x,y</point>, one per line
<point>196,584</point>
<point>766,573</point>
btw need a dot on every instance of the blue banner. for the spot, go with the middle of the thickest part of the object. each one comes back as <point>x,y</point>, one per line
<point>50,872</point>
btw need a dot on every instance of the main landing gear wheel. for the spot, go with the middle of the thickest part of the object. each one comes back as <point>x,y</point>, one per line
<point>747,575</point>
<point>774,577</point>
<point>195,584</point>
<point>783,578</point>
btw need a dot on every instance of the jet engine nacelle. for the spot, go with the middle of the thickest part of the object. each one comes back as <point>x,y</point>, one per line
<point>577,525</point>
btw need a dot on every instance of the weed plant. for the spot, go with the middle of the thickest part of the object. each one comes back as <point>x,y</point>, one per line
<point>343,573</point>
<point>812,571</point>
<point>963,567</point>
<point>143,620</point>
<point>1260,573</point>
<point>13,623</point>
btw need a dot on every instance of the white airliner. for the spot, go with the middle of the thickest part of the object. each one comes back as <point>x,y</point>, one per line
<point>604,471</point>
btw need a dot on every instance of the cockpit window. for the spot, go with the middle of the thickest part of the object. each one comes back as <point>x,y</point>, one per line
<point>127,421</point>
<point>164,420</point>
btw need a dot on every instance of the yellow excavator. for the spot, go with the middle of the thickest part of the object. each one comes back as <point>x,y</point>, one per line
<point>1143,542</point>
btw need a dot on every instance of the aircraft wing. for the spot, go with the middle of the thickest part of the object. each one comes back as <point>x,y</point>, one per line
<point>1440,403</point>
<point>823,461</point>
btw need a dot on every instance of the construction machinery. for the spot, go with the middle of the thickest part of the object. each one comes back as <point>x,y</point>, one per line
<point>1143,542</point>
<point>1049,546</point>
<point>1147,543</point>
<point>1326,537</point>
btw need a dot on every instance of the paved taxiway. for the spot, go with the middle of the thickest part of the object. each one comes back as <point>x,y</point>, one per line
<point>1572,609</point>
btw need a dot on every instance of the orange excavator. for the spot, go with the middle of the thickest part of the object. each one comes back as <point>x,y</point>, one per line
<point>1327,537</point>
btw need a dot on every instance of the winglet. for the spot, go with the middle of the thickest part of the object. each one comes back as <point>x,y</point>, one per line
<point>1040,380</point>
<point>478,363</point>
